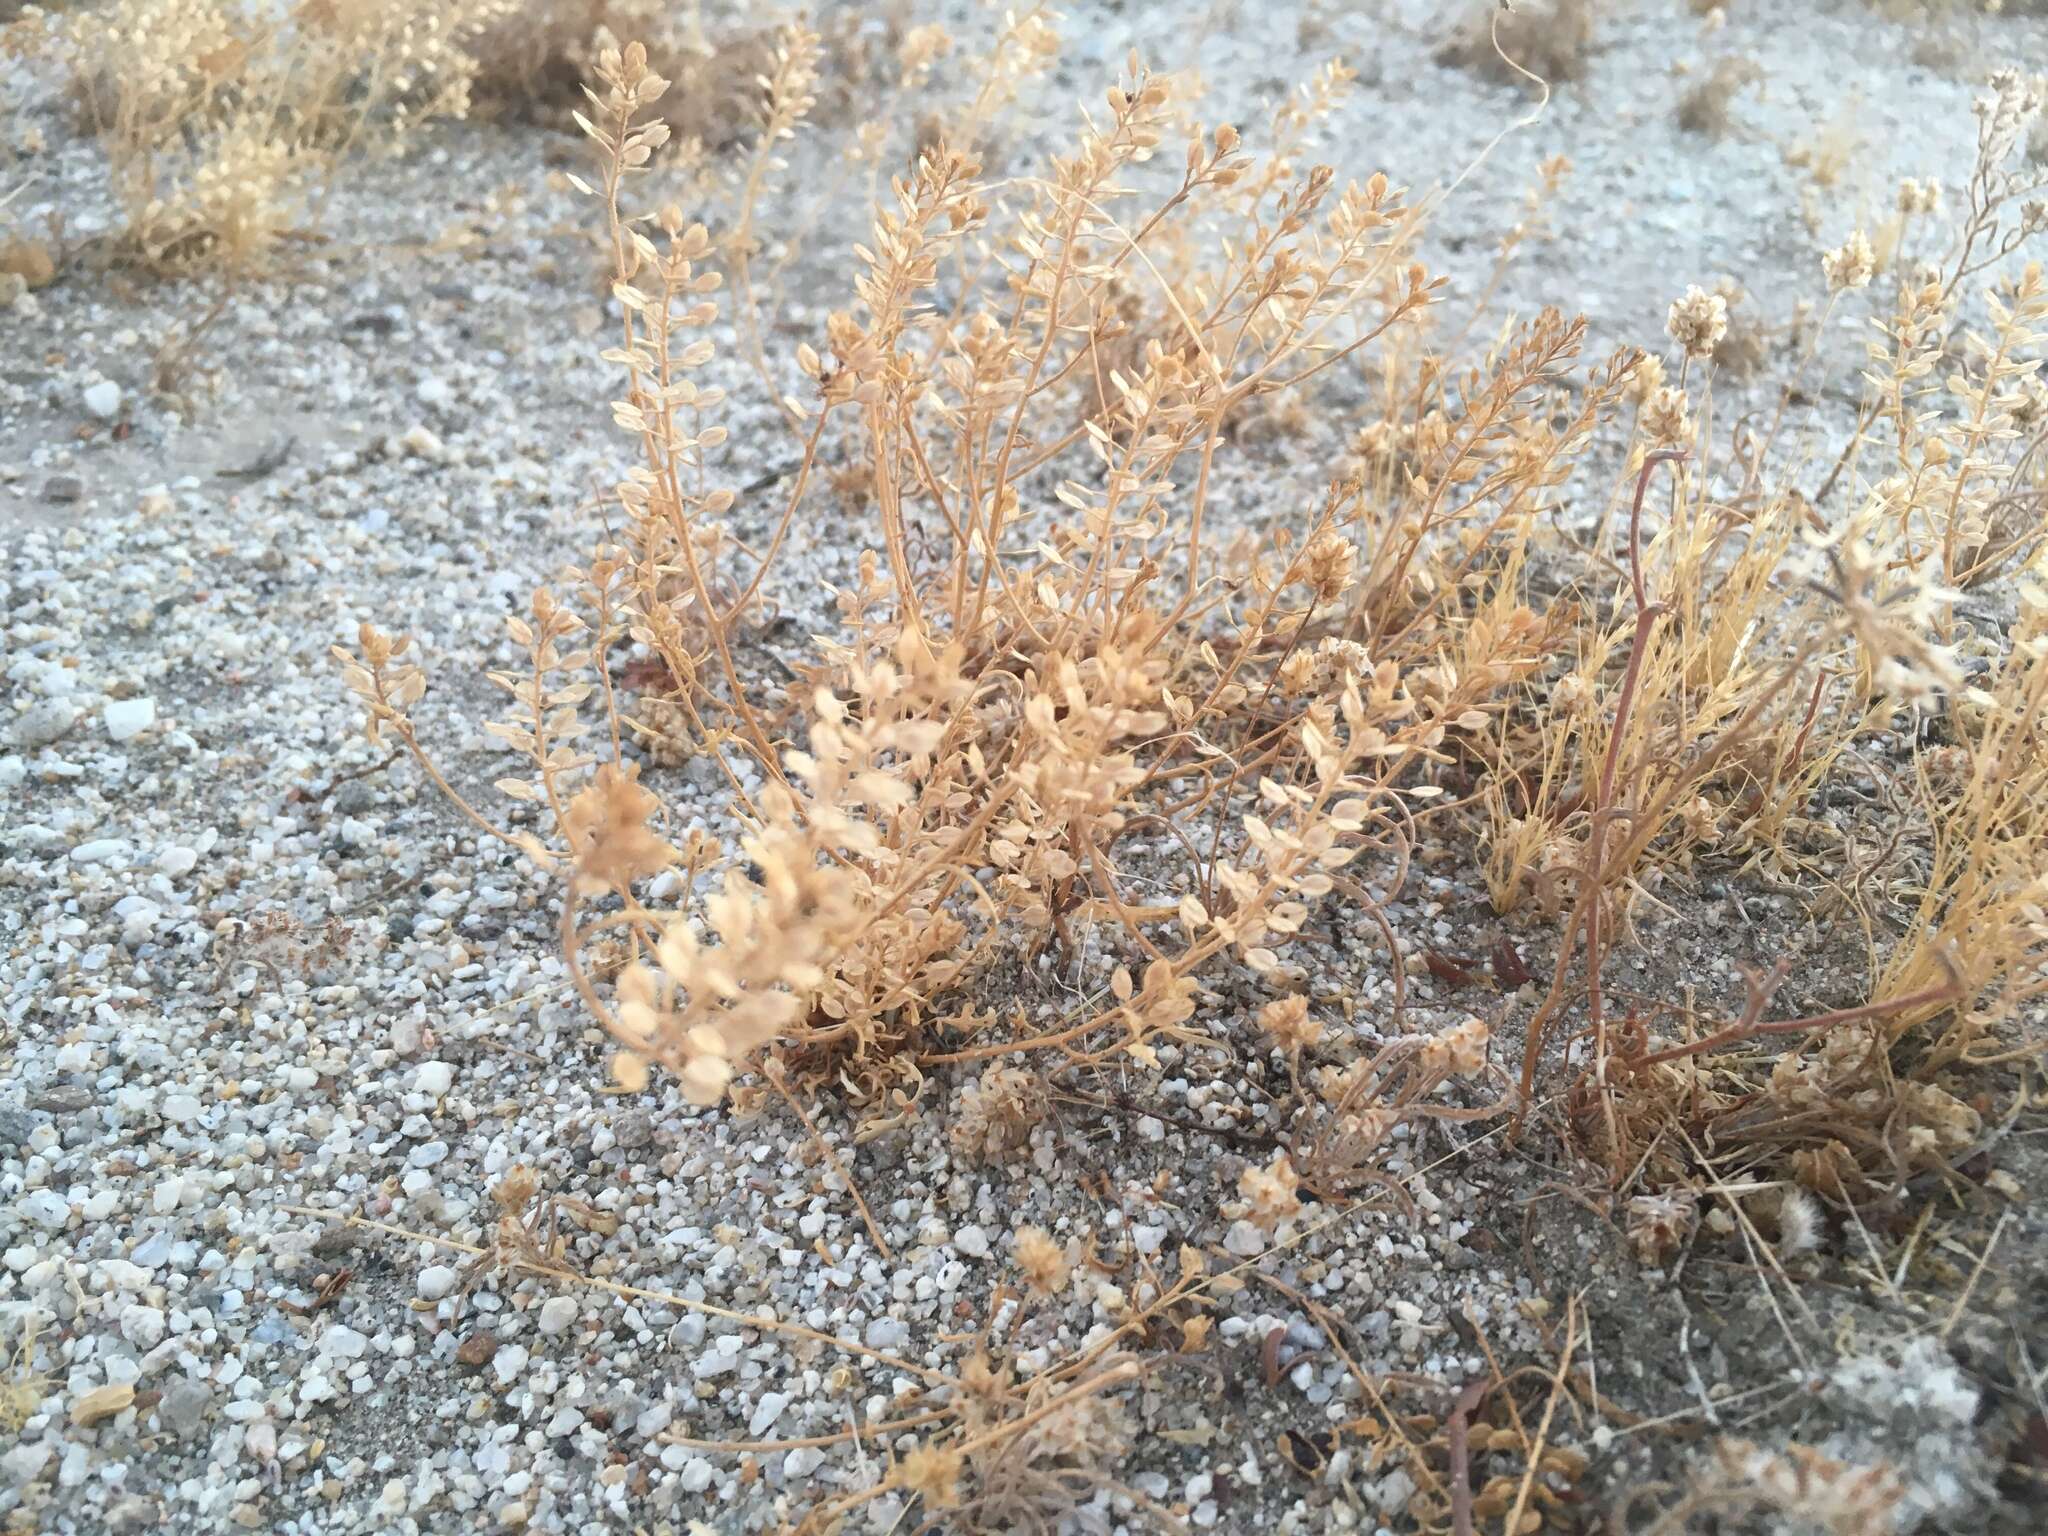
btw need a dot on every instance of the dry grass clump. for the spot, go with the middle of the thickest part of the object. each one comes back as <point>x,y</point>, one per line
<point>546,49</point>
<point>1945,500</point>
<point>1706,106</point>
<point>224,122</point>
<point>1549,39</point>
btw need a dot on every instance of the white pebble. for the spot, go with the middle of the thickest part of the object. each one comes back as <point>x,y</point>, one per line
<point>343,1341</point>
<point>45,1207</point>
<point>887,1333</point>
<point>103,399</point>
<point>971,1241</point>
<point>557,1313</point>
<point>434,1078</point>
<point>129,718</point>
<point>766,1412</point>
<point>1245,1240</point>
<point>436,1281</point>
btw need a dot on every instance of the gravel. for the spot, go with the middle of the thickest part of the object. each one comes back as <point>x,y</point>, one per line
<point>259,981</point>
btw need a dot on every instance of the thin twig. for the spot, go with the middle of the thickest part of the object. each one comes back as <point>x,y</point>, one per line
<point>1459,1435</point>
<point>1571,1339</point>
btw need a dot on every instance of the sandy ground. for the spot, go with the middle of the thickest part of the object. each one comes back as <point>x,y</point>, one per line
<point>253,980</point>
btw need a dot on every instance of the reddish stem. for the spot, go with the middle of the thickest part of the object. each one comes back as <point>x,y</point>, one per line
<point>1743,1030</point>
<point>1589,900</point>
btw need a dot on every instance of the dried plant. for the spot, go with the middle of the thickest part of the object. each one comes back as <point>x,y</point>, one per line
<point>1704,106</point>
<point>22,1386</point>
<point>1075,708</point>
<point>1548,39</point>
<point>973,716</point>
<point>224,123</point>
<point>1798,1489</point>
<point>995,1115</point>
<point>1346,1128</point>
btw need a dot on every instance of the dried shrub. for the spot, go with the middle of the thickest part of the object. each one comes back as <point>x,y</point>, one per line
<point>1705,106</point>
<point>544,50</point>
<point>1549,39</point>
<point>1740,696</point>
<point>1074,707</point>
<point>971,718</point>
<point>22,1386</point>
<point>224,122</point>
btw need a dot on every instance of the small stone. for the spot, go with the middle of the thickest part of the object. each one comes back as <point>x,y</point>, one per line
<point>436,1281</point>
<point>63,489</point>
<point>887,1333</point>
<point>45,1207</point>
<point>175,861</point>
<point>261,1441</point>
<point>103,399</point>
<point>434,1079</point>
<point>100,850</point>
<point>633,1130</point>
<point>344,1342</point>
<point>766,1412</point>
<point>64,1099</point>
<point>421,443</point>
<point>509,1361</point>
<point>972,1242</point>
<point>557,1313</point>
<point>120,1275</point>
<point>102,1403</point>
<point>142,1326</point>
<point>433,392</point>
<point>183,1406</point>
<point>180,1108</point>
<point>44,722</point>
<point>16,1125</point>
<point>1245,1240</point>
<point>720,1359</point>
<point>354,798</point>
<point>477,1349</point>
<point>129,718</point>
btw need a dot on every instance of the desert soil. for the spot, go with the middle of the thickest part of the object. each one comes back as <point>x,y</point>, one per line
<point>256,978</point>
